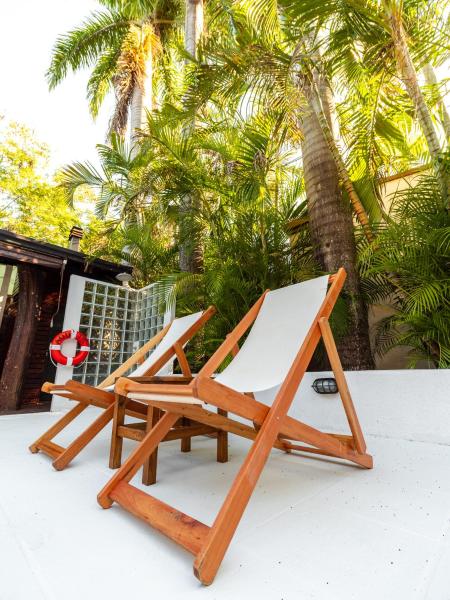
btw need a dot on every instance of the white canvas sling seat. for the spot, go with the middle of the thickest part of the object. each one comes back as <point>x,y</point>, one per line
<point>164,347</point>
<point>263,361</point>
<point>286,326</point>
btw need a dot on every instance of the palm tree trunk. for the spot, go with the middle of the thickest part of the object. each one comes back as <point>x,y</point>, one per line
<point>408,75</point>
<point>193,25</point>
<point>191,251</point>
<point>324,116</point>
<point>331,227</point>
<point>431,80</point>
<point>142,101</point>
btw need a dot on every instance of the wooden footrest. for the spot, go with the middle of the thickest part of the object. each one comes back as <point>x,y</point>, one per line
<point>50,448</point>
<point>181,528</point>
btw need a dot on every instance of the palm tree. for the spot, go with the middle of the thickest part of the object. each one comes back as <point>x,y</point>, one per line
<point>431,81</point>
<point>277,77</point>
<point>332,233</point>
<point>119,43</point>
<point>121,186</point>
<point>391,35</point>
<point>191,259</point>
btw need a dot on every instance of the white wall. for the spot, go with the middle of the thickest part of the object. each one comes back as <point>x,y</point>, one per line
<point>406,404</point>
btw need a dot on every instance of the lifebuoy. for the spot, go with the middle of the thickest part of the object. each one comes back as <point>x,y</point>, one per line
<point>69,334</point>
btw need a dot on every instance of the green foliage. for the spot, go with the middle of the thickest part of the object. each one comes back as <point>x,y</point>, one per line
<point>410,268</point>
<point>30,202</point>
<point>227,134</point>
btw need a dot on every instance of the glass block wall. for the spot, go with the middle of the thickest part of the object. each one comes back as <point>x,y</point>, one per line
<point>117,321</point>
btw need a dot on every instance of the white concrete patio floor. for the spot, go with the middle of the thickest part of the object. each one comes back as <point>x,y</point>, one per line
<point>314,529</point>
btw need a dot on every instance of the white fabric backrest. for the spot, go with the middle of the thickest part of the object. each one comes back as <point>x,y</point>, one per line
<point>278,332</point>
<point>175,331</point>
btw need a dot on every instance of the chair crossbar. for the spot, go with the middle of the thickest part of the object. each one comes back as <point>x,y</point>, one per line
<point>181,528</point>
<point>50,448</point>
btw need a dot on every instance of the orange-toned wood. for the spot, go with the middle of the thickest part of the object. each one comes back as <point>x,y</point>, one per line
<point>182,360</point>
<point>58,426</point>
<point>124,386</point>
<point>212,419</point>
<point>137,458</point>
<point>363,460</point>
<point>53,450</point>
<point>131,433</point>
<point>183,339</point>
<point>181,528</point>
<point>139,355</point>
<point>82,440</point>
<point>102,398</point>
<point>272,428</point>
<point>150,465</point>
<point>232,339</point>
<point>344,392</point>
<point>115,451</point>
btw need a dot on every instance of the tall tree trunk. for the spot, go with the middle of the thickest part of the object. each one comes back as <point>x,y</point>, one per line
<point>331,227</point>
<point>141,102</point>
<point>191,251</point>
<point>193,25</point>
<point>408,75</point>
<point>431,80</point>
<point>20,347</point>
<point>318,100</point>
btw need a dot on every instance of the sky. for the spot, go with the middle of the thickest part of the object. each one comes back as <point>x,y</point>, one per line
<point>60,118</point>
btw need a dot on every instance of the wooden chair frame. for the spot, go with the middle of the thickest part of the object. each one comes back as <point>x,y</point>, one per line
<point>87,395</point>
<point>272,428</point>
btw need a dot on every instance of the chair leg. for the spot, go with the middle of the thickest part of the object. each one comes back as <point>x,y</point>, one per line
<point>186,442</point>
<point>83,440</point>
<point>115,453</point>
<point>222,441</point>
<point>344,392</point>
<point>151,464</point>
<point>137,458</point>
<point>58,426</point>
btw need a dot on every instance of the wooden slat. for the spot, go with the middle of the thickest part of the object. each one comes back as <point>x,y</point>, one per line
<point>182,360</point>
<point>232,339</point>
<point>364,460</point>
<point>214,420</point>
<point>181,433</point>
<point>208,560</point>
<point>83,439</point>
<point>138,355</point>
<point>124,431</point>
<point>181,528</point>
<point>344,392</point>
<point>137,458</point>
<point>58,426</point>
<point>50,448</point>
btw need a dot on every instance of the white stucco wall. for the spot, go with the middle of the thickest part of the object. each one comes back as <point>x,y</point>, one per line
<point>405,404</point>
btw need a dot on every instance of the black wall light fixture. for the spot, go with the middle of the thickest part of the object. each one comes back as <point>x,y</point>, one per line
<point>325,385</point>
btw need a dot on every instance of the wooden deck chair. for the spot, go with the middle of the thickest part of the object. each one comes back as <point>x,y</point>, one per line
<point>168,344</point>
<point>287,326</point>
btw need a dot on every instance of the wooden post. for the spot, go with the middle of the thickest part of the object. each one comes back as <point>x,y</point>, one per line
<point>150,465</point>
<point>4,290</point>
<point>115,453</point>
<point>20,347</point>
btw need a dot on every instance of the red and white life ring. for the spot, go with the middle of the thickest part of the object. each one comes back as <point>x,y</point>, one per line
<point>69,334</point>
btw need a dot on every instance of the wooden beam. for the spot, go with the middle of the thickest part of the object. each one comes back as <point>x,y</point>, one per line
<point>183,529</point>
<point>20,347</point>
